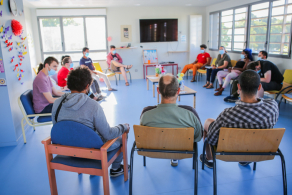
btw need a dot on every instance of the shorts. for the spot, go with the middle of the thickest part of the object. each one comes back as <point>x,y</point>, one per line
<point>272,86</point>
<point>114,68</point>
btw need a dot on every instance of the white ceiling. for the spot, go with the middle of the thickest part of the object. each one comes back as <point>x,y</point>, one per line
<point>115,3</point>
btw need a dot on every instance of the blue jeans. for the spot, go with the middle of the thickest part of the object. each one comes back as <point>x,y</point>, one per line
<point>47,109</point>
<point>117,162</point>
<point>212,73</point>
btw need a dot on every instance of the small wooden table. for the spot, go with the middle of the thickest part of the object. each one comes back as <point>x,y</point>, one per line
<point>145,66</point>
<point>186,91</point>
<point>154,80</point>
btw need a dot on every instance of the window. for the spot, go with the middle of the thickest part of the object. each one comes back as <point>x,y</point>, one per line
<point>259,26</point>
<point>68,35</point>
<point>214,29</point>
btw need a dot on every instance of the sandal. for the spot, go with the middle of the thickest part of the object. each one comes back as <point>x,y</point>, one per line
<point>206,85</point>
<point>127,83</point>
<point>193,80</point>
<point>129,66</point>
<point>210,86</point>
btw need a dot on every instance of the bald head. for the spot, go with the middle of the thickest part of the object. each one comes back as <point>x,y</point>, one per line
<point>168,86</point>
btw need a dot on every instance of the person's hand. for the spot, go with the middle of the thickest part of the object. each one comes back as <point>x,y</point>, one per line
<point>229,69</point>
<point>95,72</point>
<point>128,128</point>
<point>213,67</point>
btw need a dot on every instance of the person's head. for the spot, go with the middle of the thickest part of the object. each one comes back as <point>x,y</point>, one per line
<point>203,48</point>
<point>247,54</point>
<point>79,80</point>
<point>263,55</point>
<point>169,87</point>
<point>62,58</point>
<point>222,50</point>
<point>67,62</point>
<point>256,66</point>
<point>113,49</point>
<point>249,84</point>
<point>85,51</point>
<point>50,65</point>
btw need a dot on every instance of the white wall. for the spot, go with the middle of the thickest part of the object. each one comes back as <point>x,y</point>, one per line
<point>282,63</point>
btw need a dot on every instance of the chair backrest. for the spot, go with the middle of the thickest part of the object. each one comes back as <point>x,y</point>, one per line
<point>97,66</point>
<point>288,76</point>
<point>248,140</point>
<point>164,139</point>
<point>26,101</point>
<point>213,62</point>
<point>233,63</point>
<point>71,133</point>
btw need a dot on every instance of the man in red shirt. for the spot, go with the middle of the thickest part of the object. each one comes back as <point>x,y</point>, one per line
<point>202,60</point>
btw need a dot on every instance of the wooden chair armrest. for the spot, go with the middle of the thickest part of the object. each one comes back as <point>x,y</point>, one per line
<point>47,141</point>
<point>110,142</point>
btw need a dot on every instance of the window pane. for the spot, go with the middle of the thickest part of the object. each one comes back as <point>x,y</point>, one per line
<point>73,34</point>
<point>258,38</point>
<point>238,46</point>
<point>240,16</point>
<point>260,6</point>
<point>239,31</point>
<point>276,28</point>
<point>96,33</point>
<point>289,1</point>
<point>214,31</point>
<point>227,45</point>
<point>278,11</point>
<point>240,24</point>
<point>277,20</point>
<point>226,18</point>
<point>288,19</point>
<point>226,31</point>
<point>275,48</point>
<point>289,10</point>
<point>77,56</point>
<point>287,38</point>
<point>276,3</point>
<point>287,28</point>
<point>258,30</point>
<point>275,38</point>
<point>258,22</point>
<point>256,47</point>
<point>239,38</point>
<point>227,25</point>
<point>260,13</point>
<point>228,12</point>
<point>50,34</point>
<point>240,10</point>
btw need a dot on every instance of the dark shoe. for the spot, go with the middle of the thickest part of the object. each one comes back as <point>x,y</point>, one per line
<point>100,98</point>
<point>219,92</point>
<point>231,99</point>
<point>218,89</point>
<point>206,85</point>
<point>193,80</point>
<point>206,162</point>
<point>113,89</point>
<point>174,162</point>
<point>244,163</point>
<point>91,96</point>
<point>118,172</point>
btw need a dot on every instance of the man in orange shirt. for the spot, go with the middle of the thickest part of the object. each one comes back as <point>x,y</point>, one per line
<point>202,60</point>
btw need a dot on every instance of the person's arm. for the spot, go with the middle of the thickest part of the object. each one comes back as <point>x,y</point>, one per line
<point>207,63</point>
<point>225,64</point>
<point>49,97</point>
<point>103,128</point>
<point>195,61</point>
<point>109,59</point>
<point>57,92</point>
<point>119,58</point>
<point>267,77</point>
<point>244,67</point>
<point>214,129</point>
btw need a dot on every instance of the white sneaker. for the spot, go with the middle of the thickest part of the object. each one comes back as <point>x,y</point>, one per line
<point>174,162</point>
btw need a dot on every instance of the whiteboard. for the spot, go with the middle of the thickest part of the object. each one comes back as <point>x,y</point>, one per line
<point>150,54</point>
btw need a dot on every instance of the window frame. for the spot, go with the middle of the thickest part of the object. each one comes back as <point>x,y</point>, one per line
<point>219,35</point>
<point>267,42</point>
<point>63,39</point>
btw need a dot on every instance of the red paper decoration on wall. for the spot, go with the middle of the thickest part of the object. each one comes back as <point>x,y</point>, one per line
<point>16,27</point>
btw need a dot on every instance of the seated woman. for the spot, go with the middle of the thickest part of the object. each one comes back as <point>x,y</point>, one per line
<point>66,64</point>
<point>223,62</point>
<point>232,73</point>
<point>43,89</point>
<point>77,106</point>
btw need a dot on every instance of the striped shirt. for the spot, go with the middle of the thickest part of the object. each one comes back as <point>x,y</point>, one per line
<point>261,115</point>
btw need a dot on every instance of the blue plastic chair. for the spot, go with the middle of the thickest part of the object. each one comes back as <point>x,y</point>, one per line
<point>26,106</point>
<point>80,149</point>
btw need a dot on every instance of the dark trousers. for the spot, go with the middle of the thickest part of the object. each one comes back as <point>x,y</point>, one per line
<point>47,109</point>
<point>95,87</point>
<point>234,88</point>
<point>212,73</point>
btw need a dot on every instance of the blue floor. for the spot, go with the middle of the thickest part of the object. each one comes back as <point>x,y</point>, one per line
<point>23,167</point>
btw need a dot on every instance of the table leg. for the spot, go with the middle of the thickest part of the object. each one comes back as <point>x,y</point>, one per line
<point>195,101</point>
<point>147,83</point>
<point>153,90</point>
<point>179,98</point>
<point>143,71</point>
<point>177,69</point>
<point>146,69</point>
<point>172,70</point>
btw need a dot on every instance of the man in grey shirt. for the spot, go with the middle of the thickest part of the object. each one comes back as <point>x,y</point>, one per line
<point>78,107</point>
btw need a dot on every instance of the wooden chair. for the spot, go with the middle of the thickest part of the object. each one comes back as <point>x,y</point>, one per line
<point>79,149</point>
<point>165,143</point>
<point>119,73</point>
<point>200,71</point>
<point>247,145</point>
<point>287,96</point>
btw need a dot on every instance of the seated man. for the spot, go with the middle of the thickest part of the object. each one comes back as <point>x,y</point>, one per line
<point>202,60</point>
<point>114,62</point>
<point>262,55</point>
<point>271,77</point>
<point>78,107</point>
<point>250,113</point>
<point>43,89</point>
<point>85,61</point>
<point>170,115</point>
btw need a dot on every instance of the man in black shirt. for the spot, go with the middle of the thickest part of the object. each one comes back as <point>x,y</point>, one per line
<point>271,77</point>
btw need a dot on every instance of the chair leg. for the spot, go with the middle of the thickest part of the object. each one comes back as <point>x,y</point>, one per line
<point>280,103</point>
<point>130,77</point>
<point>119,77</point>
<point>187,73</point>
<point>254,166</point>
<point>283,173</point>
<point>125,156</point>
<point>116,79</point>
<point>23,132</point>
<point>204,149</point>
<point>196,169</point>
<point>214,172</point>
<point>105,176</point>
<point>131,169</point>
<point>51,172</point>
<point>144,161</point>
